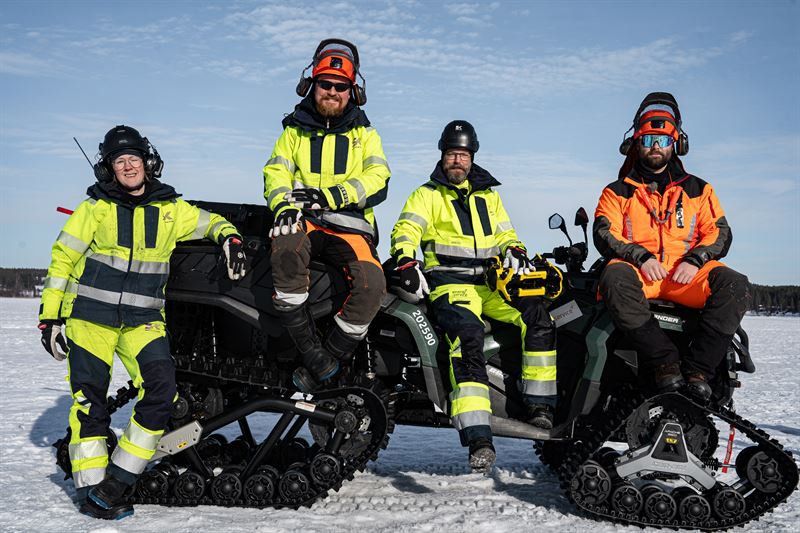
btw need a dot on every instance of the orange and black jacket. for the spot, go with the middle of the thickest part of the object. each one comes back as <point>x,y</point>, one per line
<point>634,221</point>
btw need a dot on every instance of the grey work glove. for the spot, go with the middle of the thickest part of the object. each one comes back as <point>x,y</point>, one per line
<point>517,260</point>
<point>286,222</point>
<point>52,339</point>
<point>235,258</point>
<point>307,199</point>
<point>413,285</point>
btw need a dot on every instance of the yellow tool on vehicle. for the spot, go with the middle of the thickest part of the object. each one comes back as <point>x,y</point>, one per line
<point>547,280</point>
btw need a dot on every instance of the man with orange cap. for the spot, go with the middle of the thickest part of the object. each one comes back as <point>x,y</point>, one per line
<point>664,231</point>
<point>325,175</point>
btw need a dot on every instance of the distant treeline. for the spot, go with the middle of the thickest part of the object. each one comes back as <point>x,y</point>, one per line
<point>767,299</point>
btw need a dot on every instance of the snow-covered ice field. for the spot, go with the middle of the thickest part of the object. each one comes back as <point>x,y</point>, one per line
<point>420,483</point>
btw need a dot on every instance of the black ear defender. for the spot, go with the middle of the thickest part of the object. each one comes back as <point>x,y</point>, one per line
<point>359,92</point>
<point>153,164</point>
<point>658,98</point>
<point>305,83</point>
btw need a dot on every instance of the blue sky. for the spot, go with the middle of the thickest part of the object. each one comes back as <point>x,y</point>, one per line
<point>550,88</point>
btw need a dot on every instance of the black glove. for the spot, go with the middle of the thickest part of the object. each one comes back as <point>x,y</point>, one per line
<point>52,339</point>
<point>235,259</point>
<point>517,260</point>
<point>308,199</point>
<point>413,285</point>
<point>287,221</point>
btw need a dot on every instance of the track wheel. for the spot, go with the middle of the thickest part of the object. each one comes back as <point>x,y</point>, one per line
<point>591,484</point>
<point>227,487</point>
<point>729,504</point>
<point>189,487</point>
<point>762,471</point>
<point>627,499</point>
<point>695,509</point>
<point>294,486</point>
<point>259,488</point>
<point>659,505</point>
<point>154,483</point>
<point>325,470</point>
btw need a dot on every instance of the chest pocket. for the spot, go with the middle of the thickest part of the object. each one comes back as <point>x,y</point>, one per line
<point>340,154</point>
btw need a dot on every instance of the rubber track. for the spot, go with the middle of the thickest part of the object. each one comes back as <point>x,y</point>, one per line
<point>758,504</point>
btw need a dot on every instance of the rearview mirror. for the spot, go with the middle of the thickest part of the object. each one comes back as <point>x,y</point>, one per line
<point>556,221</point>
<point>581,218</point>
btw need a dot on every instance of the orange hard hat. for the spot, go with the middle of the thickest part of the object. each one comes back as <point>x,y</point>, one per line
<point>335,61</point>
<point>658,122</point>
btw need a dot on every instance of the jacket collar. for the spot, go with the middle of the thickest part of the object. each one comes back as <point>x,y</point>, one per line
<point>154,191</point>
<point>479,178</point>
<point>306,117</point>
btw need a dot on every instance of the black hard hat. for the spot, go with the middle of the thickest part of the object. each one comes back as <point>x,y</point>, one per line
<point>459,134</point>
<point>123,139</point>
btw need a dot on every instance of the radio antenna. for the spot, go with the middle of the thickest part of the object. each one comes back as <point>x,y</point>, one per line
<point>84,153</point>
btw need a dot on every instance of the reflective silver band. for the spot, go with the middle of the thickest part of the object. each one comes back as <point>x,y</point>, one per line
<point>55,283</point>
<point>280,191</point>
<point>290,299</point>
<point>203,220</point>
<point>217,226</point>
<point>358,331</point>
<point>539,388</point>
<point>346,221</point>
<point>688,242</point>
<point>137,300</point>
<point>280,160</point>
<point>503,226</point>
<point>88,477</point>
<point>471,418</point>
<point>109,297</point>
<point>469,271</point>
<point>539,360</point>
<point>375,160</point>
<point>361,192</point>
<point>469,391</point>
<point>416,219</point>
<point>127,461</point>
<point>118,263</point>
<point>141,438</point>
<point>88,449</point>
<point>403,238</point>
<point>73,243</point>
<point>463,251</point>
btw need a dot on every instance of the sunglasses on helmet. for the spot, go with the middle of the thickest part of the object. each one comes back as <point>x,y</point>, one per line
<point>326,85</point>
<point>663,140</point>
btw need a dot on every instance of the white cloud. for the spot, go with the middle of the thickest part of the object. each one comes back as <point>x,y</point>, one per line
<point>24,64</point>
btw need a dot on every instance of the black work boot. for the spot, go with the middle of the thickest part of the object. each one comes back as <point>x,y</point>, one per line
<point>109,500</point>
<point>668,377</point>
<point>540,415</point>
<point>697,386</point>
<point>481,455</point>
<point>340,345</point>
<point>318,365</point>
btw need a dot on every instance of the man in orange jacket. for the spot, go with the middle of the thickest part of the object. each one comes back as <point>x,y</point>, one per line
<point>664,231</point>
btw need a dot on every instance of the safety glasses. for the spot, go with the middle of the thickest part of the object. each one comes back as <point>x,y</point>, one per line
<point>663,140</point>
<point>326,85</point>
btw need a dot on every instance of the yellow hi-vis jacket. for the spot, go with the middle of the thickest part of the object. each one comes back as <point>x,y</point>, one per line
<point>110,262</point>
<point>342,157</point>
<point>458,229</point>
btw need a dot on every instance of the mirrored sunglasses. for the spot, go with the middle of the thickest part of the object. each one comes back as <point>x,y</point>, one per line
<point>663,140</point>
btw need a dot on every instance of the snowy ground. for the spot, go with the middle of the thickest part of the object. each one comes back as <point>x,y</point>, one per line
<point>420,483</point>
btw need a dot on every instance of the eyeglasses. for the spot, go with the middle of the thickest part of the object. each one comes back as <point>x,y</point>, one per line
<point>457,155</point>
<point>134,162</point>
<point>326,85</point>
<point>663,140</point>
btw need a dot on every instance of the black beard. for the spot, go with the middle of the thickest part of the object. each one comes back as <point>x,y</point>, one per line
<point>655,164</point>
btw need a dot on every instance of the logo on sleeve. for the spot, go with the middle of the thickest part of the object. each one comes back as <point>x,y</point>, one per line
<point>167,217</point>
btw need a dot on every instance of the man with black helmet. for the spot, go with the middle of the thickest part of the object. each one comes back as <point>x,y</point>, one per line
<point>664,231</point>
<point>326,173</point>
<point>460,221</point>
<point>105,287</point>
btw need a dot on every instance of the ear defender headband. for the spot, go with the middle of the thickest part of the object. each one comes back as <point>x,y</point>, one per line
<point>153,164</point>
<point>654,116</point>
<point>325,59</point>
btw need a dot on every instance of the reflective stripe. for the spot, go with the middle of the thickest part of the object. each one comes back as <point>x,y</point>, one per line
<point>403,238</point>
<point>140,437</point>
<point>150,267</point>
<point>137,300</point>
<point>216,227</point>
<point>375,160</point>
<point>276,192</point>
<point>462,251</point>
<point>503,226</point>
<point>471,418</point>
<point>413,217</point>
<point>540,360</point>
<point>117,263</point>
<point>354,330</point>
<point>88,477</point>
<point>539,388</point>
<point>140,267</point>
<point>280,160</point>
<point>109,297</point>
<point>289,298</point>
<point>88,449</point>
<point>203,220</point>
<point>347,221</point>
<point>73,243</point>
<point>127,461</point>
<point>628,228</point>
<point>361,192</point>
<point>469,391</point>
<point>688,241</point>
<point>470,271</point>
<point>55,283</point>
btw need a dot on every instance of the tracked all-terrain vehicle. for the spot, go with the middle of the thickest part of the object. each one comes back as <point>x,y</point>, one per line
<point>620,454</point>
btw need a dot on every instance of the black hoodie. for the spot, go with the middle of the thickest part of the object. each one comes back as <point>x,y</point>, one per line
<point>306,117</point>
